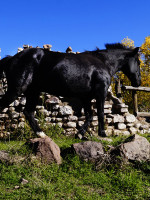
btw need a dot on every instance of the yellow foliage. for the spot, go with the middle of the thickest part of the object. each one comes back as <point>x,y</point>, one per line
<point>128,42</point>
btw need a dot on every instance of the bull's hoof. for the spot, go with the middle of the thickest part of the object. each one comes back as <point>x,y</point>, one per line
<point>80,136</point>
<point>102,134</point>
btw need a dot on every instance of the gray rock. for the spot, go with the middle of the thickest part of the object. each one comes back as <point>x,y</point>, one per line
<point>24,181</point>
<point>45,149</point>
<point>129,118</point>
<point>121,126</point>
<point>133,130</point>
<point>72,118</point>
<point>71,124</point>
<point>53,100</point>
<point>88,150</point>
<point>21,125</point>
<point>65,110</point>
<point>135,148</point>
<point>4,156</point>
<point>14,115</point>
<point>118,118</point>
<point>23,101</point>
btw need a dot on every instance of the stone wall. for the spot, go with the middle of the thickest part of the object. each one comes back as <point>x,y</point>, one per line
<point>55,110</point>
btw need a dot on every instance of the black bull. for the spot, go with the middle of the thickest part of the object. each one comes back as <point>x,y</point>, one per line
<point>82,77</point>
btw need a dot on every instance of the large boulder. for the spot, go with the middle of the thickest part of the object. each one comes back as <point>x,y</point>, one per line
<point>135,148</point>
<point>89,150</point>
<point>45,149</point>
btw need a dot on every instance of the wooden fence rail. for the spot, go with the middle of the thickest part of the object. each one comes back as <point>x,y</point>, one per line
<point>135,99</point>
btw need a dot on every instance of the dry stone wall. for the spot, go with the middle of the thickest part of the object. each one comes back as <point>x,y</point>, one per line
<point>118,120</point>
<point>55,111</point>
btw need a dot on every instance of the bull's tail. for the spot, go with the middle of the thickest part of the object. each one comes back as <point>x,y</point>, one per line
<point>3,64</point>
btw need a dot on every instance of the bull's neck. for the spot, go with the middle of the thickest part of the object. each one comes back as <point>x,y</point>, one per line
<point>113,61</point>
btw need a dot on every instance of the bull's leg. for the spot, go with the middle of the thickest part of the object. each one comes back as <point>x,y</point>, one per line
<point>31,102</point>
<point>100,99</point>
<point>88,119</point>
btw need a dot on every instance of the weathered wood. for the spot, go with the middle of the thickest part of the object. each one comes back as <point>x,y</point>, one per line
<point>145,89</point>
<point>118,89</point>
<point>135,104</point>
<point>143,114</point>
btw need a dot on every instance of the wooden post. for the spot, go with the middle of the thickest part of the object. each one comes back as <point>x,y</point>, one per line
<point>118,89</point>
<point>135,104</point>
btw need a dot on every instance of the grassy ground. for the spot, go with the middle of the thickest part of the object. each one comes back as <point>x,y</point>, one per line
<point>74,179</point>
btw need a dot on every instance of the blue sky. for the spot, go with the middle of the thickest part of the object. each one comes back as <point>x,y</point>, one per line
<point>81,24</point>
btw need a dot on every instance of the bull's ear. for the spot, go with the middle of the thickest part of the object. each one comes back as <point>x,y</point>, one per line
<point>136,50</point>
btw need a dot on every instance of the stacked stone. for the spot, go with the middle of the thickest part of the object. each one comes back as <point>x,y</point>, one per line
<point>12,117</point>
<point>122,122</point>
<point>55,112</point>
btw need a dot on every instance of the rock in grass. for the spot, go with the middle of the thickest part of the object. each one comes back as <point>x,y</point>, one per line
<point>4,156</point>
<point>89,150</point>
<point>135,148</point>
<point>45,149</point>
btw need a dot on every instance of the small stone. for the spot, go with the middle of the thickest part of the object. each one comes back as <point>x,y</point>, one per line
<point>118,118</point>
<point>39,107</point>
<point>14,115</point>
<point>121,126</point>
<point>137,125</point>
<point>124,110</point>
<point>23,101</point>
<point>80,123</point>
<point>54,113</point>
<point>58,119</point>
<point>44,112</point>
<point>5,110</point>
<point>48,119</point>
<point>11,109</point>
<point>72,118</point>
<point>95,118</point>
<point>126,133</point>
<point>94,123</point>
<point>107,111</point>
<point>71,124</point>
<point>24,181</point>
<point>65,110</point>
<point>129,118</point>
<point>109,131</point>
<point>21,125</point>
<point>106,106</point>
<point>14,126</point>
<point>117,132</point>
<point>69,50</point>
<point>17,187</point>
<point>133,130</point>
<point>52,100</point>
<point>60,124</point>
<point>130,125</point>
<point>55,107</point>
<point>144,126</point>
<point>47,46</point>
<point>108,120</point>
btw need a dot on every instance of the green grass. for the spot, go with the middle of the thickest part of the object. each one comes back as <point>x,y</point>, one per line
<point>73,179</point>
